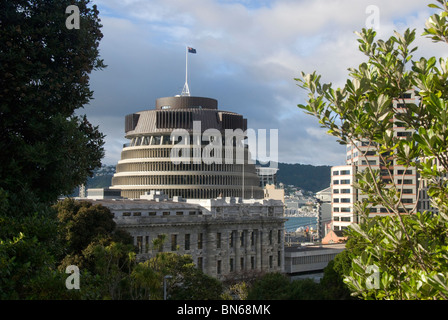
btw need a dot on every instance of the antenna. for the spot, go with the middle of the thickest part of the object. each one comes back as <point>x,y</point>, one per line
<point>186,89</point>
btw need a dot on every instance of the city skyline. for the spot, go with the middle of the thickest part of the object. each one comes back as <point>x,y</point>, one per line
<point>248,54</point>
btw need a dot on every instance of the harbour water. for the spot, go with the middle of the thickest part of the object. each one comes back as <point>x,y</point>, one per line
<point>293,223</point>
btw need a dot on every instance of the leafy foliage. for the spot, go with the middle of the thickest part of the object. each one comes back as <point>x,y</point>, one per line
<point>44,78</point>
<point>407,250</point>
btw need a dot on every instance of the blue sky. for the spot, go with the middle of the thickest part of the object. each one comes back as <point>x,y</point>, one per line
<point>248,53</point>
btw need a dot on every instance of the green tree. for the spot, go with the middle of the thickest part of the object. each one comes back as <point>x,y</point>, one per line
<point>407,250</point>
<point>28,247</point>
<point>187,282</point>
<point>271,286</point>
<point>44,78</point>
<point>83,224</point>
<point>332,283</point>
<point>46,149</point>
<point>111,264</point>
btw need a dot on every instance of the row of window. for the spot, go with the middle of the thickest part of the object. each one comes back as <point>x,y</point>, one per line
<point>158,140</point>
<point>341,172</point>
<point>193,179</point>
<point>160,213</point>
<point>342,209</point>
<point>244,238</point>
<point>199,192</point>
<point>372,210</point>
<point>344,191</point>
<point>313,259</point>
<point>342,181</point>
<point>252,266</point>
<point>171,166</point>
<point>342,200</point>
<point>343,219</point>
<point>347,191</point>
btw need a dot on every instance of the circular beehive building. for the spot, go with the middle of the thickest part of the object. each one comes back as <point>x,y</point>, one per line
<point>186,147</point>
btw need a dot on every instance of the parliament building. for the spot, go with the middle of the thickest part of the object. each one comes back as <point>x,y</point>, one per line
<point>192,128</point>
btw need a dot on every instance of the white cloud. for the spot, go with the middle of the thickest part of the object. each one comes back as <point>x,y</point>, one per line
<point>248,54</point>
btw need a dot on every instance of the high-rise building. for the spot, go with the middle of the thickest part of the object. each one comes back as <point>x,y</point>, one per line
<point>362,155</point>
<point>189,148</point>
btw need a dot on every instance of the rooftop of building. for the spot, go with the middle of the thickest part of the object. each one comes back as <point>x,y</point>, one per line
<point>315,247</point>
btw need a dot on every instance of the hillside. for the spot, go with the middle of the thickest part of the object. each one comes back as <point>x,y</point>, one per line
<point>304,176</point>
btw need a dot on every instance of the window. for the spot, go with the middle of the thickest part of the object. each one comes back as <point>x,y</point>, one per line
<point>405,181</point>
<point>218,240</point>
<point>152,213</point>
<point>179,213</point>
<point>346,219</point>
<point>335,173</point>
<point>335,181</point>
<point>406,95</point>
<point>345,181</point>
<point>336,200</point>
<point>231,264</point>
<point>200,263</point>
<point>399,124</point>
<point>345,172</point>
<point>174,242</point>
<point>232,236</point>
<point>200,240</point>
<point>345,190</point>
<point>126,214</point>
<point>404,171</point>
<point>140,244</point>
<point>407,201</point>
<point>279,260</point>
<point>161,238</point>
<point>345,200</point>
<point>166,213</point>
<point>187,241</point>
<point>345,210</point>
<point>218,267</point>
<point>136,214</point>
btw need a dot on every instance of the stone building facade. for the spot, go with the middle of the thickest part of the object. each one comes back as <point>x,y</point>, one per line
<point>223,235</point>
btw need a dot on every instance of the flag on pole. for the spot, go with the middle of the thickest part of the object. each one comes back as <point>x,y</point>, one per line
<point>191,50</point>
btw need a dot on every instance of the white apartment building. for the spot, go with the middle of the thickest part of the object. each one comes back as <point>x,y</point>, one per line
<point>344,195</point>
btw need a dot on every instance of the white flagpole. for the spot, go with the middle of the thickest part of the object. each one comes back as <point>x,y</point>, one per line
<point>186,64</point>
<point>186,90</point>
